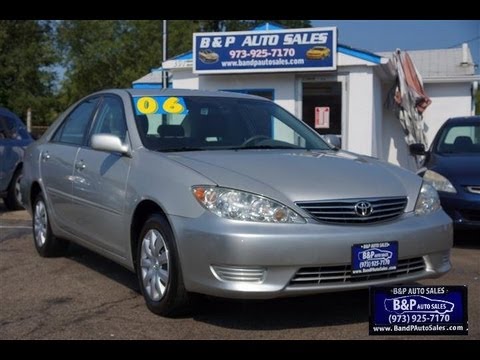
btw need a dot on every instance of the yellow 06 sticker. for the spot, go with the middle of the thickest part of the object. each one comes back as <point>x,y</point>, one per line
<point>173,106</point>
<point>147,105</point>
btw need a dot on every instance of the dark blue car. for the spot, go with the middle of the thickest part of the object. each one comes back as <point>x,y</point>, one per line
<point>452,165</point>
<point>14,137</point>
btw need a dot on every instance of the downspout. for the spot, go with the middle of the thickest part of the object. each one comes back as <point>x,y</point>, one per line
<point>474,92</point>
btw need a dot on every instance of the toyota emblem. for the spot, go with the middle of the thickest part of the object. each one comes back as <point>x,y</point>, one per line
<point>363,208</point>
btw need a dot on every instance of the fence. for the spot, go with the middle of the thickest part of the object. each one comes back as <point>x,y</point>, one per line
<point>38,131</point>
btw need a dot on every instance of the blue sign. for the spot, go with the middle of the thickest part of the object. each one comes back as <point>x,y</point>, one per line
<point>434,310</point>
<point>374,257</point>
<point>265,51</point>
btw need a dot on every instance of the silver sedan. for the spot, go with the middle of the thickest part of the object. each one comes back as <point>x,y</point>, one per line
<point>227,195</point>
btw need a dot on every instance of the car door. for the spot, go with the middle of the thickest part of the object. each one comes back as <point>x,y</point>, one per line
<point>57,160</point>
<point>100,182</point>
<point>13,139</point>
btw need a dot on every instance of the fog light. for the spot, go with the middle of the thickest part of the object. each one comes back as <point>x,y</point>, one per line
<point>230,273</point>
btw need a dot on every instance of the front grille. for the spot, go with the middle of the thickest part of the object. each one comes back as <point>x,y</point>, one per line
<point>312,276</point>
<point>343,211</point>
<point>473,189</point>
<point>471,215</point>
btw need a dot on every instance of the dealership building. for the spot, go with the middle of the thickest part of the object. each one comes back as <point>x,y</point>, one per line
<point>333,88</point>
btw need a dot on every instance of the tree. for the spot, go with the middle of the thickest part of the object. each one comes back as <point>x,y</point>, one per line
<point>101,54</point>
<point>238,25</point>
<point>26,73</point>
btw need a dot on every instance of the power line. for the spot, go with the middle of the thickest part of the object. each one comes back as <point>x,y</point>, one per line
<point>468,41</point>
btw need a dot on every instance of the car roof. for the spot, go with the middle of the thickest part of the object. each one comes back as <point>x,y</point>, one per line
<point>6,112</point>
<point>464,120</point>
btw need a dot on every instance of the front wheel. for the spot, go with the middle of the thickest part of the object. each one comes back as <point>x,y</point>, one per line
<point>13,200</point>
<point>158,269</point>
<point>47,244</point>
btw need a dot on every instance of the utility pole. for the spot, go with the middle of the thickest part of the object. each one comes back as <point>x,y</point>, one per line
<point>29,120</point>
<point>164,55</point>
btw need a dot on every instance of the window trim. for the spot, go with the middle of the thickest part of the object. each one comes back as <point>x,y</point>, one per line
<point>87,140</point>
<point>61,127</point>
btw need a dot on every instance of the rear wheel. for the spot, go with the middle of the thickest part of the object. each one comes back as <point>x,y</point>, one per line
<point>158,269</point>
<point>46,243</point>
<point>13,200</point>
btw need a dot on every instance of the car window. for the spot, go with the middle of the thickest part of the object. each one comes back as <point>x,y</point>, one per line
<point>73,129</point>
<point>216,123</point>
<point>8,128</point>
<point>6,125</point>
<point>111,118</point>
<point>460,139</point>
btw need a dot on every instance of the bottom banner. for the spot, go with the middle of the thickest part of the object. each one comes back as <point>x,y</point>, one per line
<point>422,310</point>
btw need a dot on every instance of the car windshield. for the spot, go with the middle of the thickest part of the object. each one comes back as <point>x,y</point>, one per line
<point>460,139</point>
<point>220,123</point>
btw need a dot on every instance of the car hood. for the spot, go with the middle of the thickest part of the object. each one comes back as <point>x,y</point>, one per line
<point>461,170</point>
<point>301,175</point>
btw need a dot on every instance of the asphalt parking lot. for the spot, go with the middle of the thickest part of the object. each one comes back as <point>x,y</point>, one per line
<point>84,296</point>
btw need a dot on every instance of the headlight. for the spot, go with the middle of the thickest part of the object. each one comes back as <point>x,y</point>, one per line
<point>427,201</point>
<point>439,182</point>
<point>241,205</point>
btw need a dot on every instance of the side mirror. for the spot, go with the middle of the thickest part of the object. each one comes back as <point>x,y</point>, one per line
<point>110,143</point>
<point>333,140</point>
<point>417,149</point>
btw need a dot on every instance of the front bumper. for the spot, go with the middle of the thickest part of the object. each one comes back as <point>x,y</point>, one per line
<point>464,211</point>
<point>237,259</point>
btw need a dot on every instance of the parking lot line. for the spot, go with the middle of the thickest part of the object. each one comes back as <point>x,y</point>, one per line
<point>14,227</point>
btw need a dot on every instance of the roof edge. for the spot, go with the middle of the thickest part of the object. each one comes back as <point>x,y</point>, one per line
<point>361,54</point>
<point>451,79</point>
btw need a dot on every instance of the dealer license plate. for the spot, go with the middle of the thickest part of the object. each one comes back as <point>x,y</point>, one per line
<point>374,257</point>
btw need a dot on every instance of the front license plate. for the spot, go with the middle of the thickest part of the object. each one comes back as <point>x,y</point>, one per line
<point>374,257</point>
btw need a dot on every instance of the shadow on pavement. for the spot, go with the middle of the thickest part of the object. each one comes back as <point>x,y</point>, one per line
<point>276,314</point>
<point>103,266</point>
<point>298,312</point>
<point>467,239</point>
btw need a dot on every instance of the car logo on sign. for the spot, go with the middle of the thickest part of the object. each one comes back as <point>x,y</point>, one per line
<point>418,304</point>
<point>363,208</point>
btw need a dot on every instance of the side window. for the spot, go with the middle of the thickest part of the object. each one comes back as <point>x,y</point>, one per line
<point>110,118</point>
<point>73,130</point>
<point>7,128</point>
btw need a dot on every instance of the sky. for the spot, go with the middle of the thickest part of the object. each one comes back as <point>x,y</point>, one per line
<point>388,35</point>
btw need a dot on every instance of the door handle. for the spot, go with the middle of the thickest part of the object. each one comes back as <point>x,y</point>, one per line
<point>45,156</point>
<point>80,165</point>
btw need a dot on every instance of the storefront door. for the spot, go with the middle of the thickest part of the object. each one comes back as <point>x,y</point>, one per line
<point>322,106</point>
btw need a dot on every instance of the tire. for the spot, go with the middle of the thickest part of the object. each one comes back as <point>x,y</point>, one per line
<point>47,244</point>
<point>158,269</point>
<point>13,200</point>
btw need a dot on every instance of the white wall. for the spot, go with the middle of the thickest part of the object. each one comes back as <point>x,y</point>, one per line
<point>377,130</point>
<point>394,147</point>
<point>448,100</point>
<point>184,79</point>
<point>282,84</point>
<point>360,113</point>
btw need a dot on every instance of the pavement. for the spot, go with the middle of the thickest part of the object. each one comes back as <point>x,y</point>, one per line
<point>84,296</point>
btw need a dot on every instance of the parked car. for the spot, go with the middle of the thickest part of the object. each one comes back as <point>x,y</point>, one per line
<point>318,53</point>
<point>208,56</point>
<point>452,166</point>
<point>14,137</point>
<point>227,195</point>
